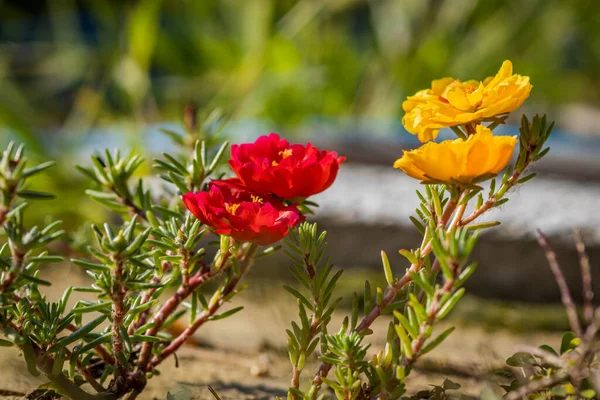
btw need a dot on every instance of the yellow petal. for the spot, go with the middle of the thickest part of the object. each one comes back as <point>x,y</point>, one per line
<point>505,146</point>
<point>504,72</point>
<point>477,159</point>
<point>459,99</point>
<point>451,102</point>
<point>459,160</point>
<point>439,85</point>
<point>437,161</point>
<point>409,168</point>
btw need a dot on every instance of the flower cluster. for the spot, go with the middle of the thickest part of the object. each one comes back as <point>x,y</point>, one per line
<point>273,176</point>
<point>157,250</point>
<point>462,106</point>
<point>272,165</point>
<point>451,102</point>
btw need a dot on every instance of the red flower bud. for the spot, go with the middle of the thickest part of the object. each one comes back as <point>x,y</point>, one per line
<point>272,166</point>
<point>231,209</point>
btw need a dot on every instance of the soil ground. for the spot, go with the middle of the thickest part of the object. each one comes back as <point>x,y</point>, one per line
<point>244,357</point>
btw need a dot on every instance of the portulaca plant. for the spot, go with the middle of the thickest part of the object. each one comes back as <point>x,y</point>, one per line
<point>214,218</point>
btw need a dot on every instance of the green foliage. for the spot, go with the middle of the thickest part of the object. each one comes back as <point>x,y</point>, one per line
<point>532,138</point>
<point>116,342</point>
<point>153,245</point>
<point>189,174</point>
<point>347,354</point>
<point>408,339</point>
<point>23,253</point>
<point>313,271</point>
<point>13,179</point>
<point>548,375</point>
<point>427,292</point>
<point>437,393</point>
<point>282,60</point>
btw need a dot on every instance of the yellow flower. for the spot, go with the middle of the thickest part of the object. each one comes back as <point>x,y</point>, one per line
<point>459,160</point>
<point>451,102</point>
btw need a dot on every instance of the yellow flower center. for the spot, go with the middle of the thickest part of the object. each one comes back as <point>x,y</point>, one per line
<point>284,154</point>
<point>465,96</point>
<point>232,208</point>
<point>468,89</point>
<point>256,199</point>
<point>451,102</point>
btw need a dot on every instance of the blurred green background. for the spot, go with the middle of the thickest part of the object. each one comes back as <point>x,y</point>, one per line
<point>72,67</point>
<point>69,65</point>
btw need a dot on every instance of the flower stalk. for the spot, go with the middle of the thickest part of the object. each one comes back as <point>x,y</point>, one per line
<point>170,306</point>
<point>228,290</point>
<point>158,247</point>
<point>118,314</point>
<point>448,236</point>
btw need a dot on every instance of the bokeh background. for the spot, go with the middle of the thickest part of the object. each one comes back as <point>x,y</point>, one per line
<point>77,76</point>
<point>80,75</point>
<point>69,65</point>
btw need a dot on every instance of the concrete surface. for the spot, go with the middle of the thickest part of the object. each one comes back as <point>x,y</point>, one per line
<point>368,209</point>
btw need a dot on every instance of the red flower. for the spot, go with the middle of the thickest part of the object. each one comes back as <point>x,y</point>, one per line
<point>233,210</point>
<point>272,165</point>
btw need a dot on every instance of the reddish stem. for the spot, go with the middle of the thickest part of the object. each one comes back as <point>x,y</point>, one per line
<point>189,331</point>
<point>184,290</point>
<point>11,276</point>
<point>390,295</point>
<point>476,213</point>
<point>492,200</point>
<point>432,315</point>
<point>143,317</point>
<point>450,207</point>
<point>565,293</point>
<point>586,277</point>
<point>391,291</point>
<point>118,314</point>
<point>3,212</point>
<point>141,320</point>
<point>204,317</point>
<point>159,318</point>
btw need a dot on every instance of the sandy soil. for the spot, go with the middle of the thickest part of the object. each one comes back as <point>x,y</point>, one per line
<point>468,357</point>
<point>243,357</point>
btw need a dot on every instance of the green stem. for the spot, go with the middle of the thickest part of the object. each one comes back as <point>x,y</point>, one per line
<point>64,384</point>
<point>73,391</point>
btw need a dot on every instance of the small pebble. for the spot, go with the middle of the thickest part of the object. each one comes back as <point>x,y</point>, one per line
<point>261,368</point>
